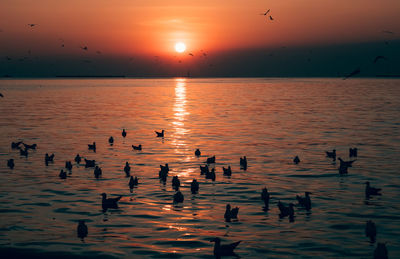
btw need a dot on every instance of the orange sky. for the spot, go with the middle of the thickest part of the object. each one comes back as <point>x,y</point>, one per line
<point>151,27</point>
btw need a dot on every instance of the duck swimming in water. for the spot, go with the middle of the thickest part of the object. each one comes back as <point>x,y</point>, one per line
<point>224,250</point>
<point>90,163</point>
<point>296,160</point>
<point>111,140</point>
<point>127,169</point>
<point>227,171</point>
<point>204,170</point>
<point>243,163</point>
<point>211,175</point>
<point>353,152</point>
<point>23,152</point>
<point>286,210</point>
<point>15,145</point>
<point>97,172</point>
<point>133,182</point>
<point>370,231</point>
<point>63,174</point>
<point>331,154</point>
<point>176,183</point>
<point>68,165</point>
<point>48,158</point>
<point>92,146</point>
<point>346,163</point>
<point>110,203</point>
<point>137,147</point>
<point>210,160</point>
<point>194,186</point>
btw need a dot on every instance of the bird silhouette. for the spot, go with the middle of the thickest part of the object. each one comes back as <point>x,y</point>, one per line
<point>224,250</point>
<point>353,73</point>
<point>123,133</point>
<point>211,175</point>
<point>370,231</point>
<point>230,213</point>
<point>304,201</point>
<point>109,203</point>
<point>176,183</point>
<point>160,134</point>
<point>353,152</point>
<point>68,165</point>
<point>137,147</point>
<point>23,152</point>
<point>296,160</point>
<point>210,160</point>
<point>92,146</point>
<point>78,159</point>
<point>90,163</point>
<point>32,24</point>
<point>178,197</point>
<point>33,146</point>
<point>97,172</point>
<point>377,58</point>
<point>197,152</point>
<point>243,163</point>
<point>48,158</point>
<point>127,169</point>
<point>265,197</point>
<point>369,190</point>
<point>133,182</point>
<point>286,210</point>
<point>265,13</point>
<point>346,163</point>
<point>381,251</point>
<point>194,186</point>
<point>63,174</point>
<point>227,171</point>
<point>204,170</point>
<point>388,32</point>
<point>82,229</point>
<point>10,163</point>
<point>270,18</point>
<point>331,154</point>
<point>15,145</point>
<point>111,140</point>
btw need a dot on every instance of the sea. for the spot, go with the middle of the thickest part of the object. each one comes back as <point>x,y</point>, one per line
<point>268,120</point>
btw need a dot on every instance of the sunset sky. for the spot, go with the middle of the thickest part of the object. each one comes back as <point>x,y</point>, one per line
<point>225,38</point>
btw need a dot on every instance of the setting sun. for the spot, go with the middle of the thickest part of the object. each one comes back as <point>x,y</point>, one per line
<point>180,47</point>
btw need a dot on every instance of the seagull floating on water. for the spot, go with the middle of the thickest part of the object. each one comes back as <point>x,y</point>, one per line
<point>211,175</point>
<point>78,159</point>
<point>265,197</point>
<point>82,229</point>
<point>178,197</point>
<point>92,146</point>
<point>110,203</point>
<point>127,169</point>
<point>123,133</point>
<point>68,165</point>
<point>160,134</point>
<point>194,186</point>
<point>137,147</point>
<point>10,163</point>
<point>369,191</point>
<point>230,213</point>
<point>210,160</point>
<point>353,152</point>
<point>224,250</point>
<point>176,183</point>
<point>370,231</point>
<point>331,154</point>
<point>296,160</point>
<point>63,174</point>
<point>97,172</point>
<point>286,210</point>
<point>243,163</point>
<point>381,251</point>
<point>227,171</point>
<point>197,152</point>
<point>111,140</point>
<point>304,201</point>
<point>90,163</point>
<point>204,170</point>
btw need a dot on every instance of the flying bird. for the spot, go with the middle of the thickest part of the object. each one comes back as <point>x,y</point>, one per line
<point>270,18</point>
<point>82,229</point>
<point>191,54</point>
<point>377,58</point>
<point>32,24</point>
<point>265,12</point>
<point>85,48</point>
<point>388,32</point>
<point>355,72</point>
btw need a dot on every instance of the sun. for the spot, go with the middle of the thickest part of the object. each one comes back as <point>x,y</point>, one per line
<point>180,47</point>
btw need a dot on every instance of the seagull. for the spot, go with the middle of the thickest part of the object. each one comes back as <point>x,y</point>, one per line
<point>224,250</point>
<point>331,154</point>
<point>111,140</point>
<point>197,152</point>
<point>194,186</point>
<point>33,146</point>
<point>296,160</point>
<point>227,171</point>
<point>127,169</point>
<point>346,163</point>
<point>355,72</point>
<point>68,165</point>
<point>160,134</point>
<point>85,48</point>
<point>211,175</point>
<point>210,160</point>
<point>97,172</point>
<point>230,213</point>
<point>92,146</point>
<point>63,174</point>
<point>32,24</point>
<point>353,152</point>
<point>137,147</point>
<point>23,152</point>
<point>243,163</point>
<point>265,197</point>
<point>15,144</point>
<point>304,201</point>
<point>77,159</point>
<point>176,183</point>
<point>110,203</point>
<point>178,197</point>
<point>123,133</point>
<point>48,158</point>
<point>381,252</point>
<point>10,163</point>
<point>133,182</point>
<point>370,231</point>
<point>286,211</point>
<point>265,12</point>
<point>377,58</point>
<point>371,190</point>
<point>82,229</point>
<point>204,170</point>
<point>90,163</point>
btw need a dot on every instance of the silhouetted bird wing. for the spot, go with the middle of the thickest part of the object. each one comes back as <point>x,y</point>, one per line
<point>355,72</point>
<point>377,58</point>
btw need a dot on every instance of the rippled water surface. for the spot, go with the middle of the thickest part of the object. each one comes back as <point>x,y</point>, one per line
<point>268,120</point>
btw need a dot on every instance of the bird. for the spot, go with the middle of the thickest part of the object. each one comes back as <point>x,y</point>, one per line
<point>381,252</point>
<point>353,152</point>
<point>164,168</point>
<point>331,154</point>
<point>23,152</point>
<point>160,134</point>
<point>63,174</point>
<point>265,13</point>
<point>388,32</point>
<point>227,171</point>
<point>178,197</point>
<point>370,231</point>
<point>32,24</point>
<point>197,152</point>
<point>127,169</point>
<point>230,213</point>
<point>191,54</point>
<point>243,163</point>
<point>355,72</point>
<point>137,147</point>
<point>92,146</point>
<point>111,140</point>
<point>97,172</point>
<point>82,229</point>
<point>10,163</point>
<point>369,191</point>
<point>265,197</point>
<point>270,18</point>
<point>110,203</point>
<point>85,48</point>
<point>286,210</point>
<point>163,175</point>
<point>343,169</point>
<point>224,250</point>
<point>377,58</point>
<point>48,158</point>
<point>176,183</point>
<point>33,146</point>
<point>68,165</point>
<point>194,186</point>
<point>210,160</point>
<point>90,163</point>
<point>346,163</point>
<point>133,182</point>
<point>296,160</point>
<point>77,159</point>
<point>15,145</point>
<point>204,170</point>
<point>123,133</point>
<point>304,201</point>
<point>211,175</point>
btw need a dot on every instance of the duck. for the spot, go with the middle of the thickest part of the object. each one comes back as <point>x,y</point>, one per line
<point>194,186</point>
<point>127,169</point>
<point>78,159</point>
<point>111,140</point>
<point>286,210</point>
<point>23,152</point>
<point>68,165</point>
<point>197,152</point>
<point>224,250</point>
<point>304,201</point>
<point>10,163</point>
<point>265,197</point>
<point>230,213</point>
<point>97,172</point>
<point>381,251</point>
<point>133,182</point>
<point>227,171</point>
<point>243,163</point>
<point>82,229</point>
<point>90,163</point>
<point>346,163</point>
<point>204,170</point>
<point>296,160</point>
<point>137,147</point>
<point>63,174</point>
<point>176,183</point>
<point>15,145</point>
<point>211,175</point>
<point>178,197</point>
<point>33,146</point>
<point>210,160</point>
<point>370,231</point>
<point>331,154</point>
<point>123,133</point>
<point>159,134</point>
<point>92,146</point>
<point>353,152</point>
<point>109,203</point>
<point>369,191</point>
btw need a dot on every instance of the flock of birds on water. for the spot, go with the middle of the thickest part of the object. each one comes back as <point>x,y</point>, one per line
<point>286,210</point>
